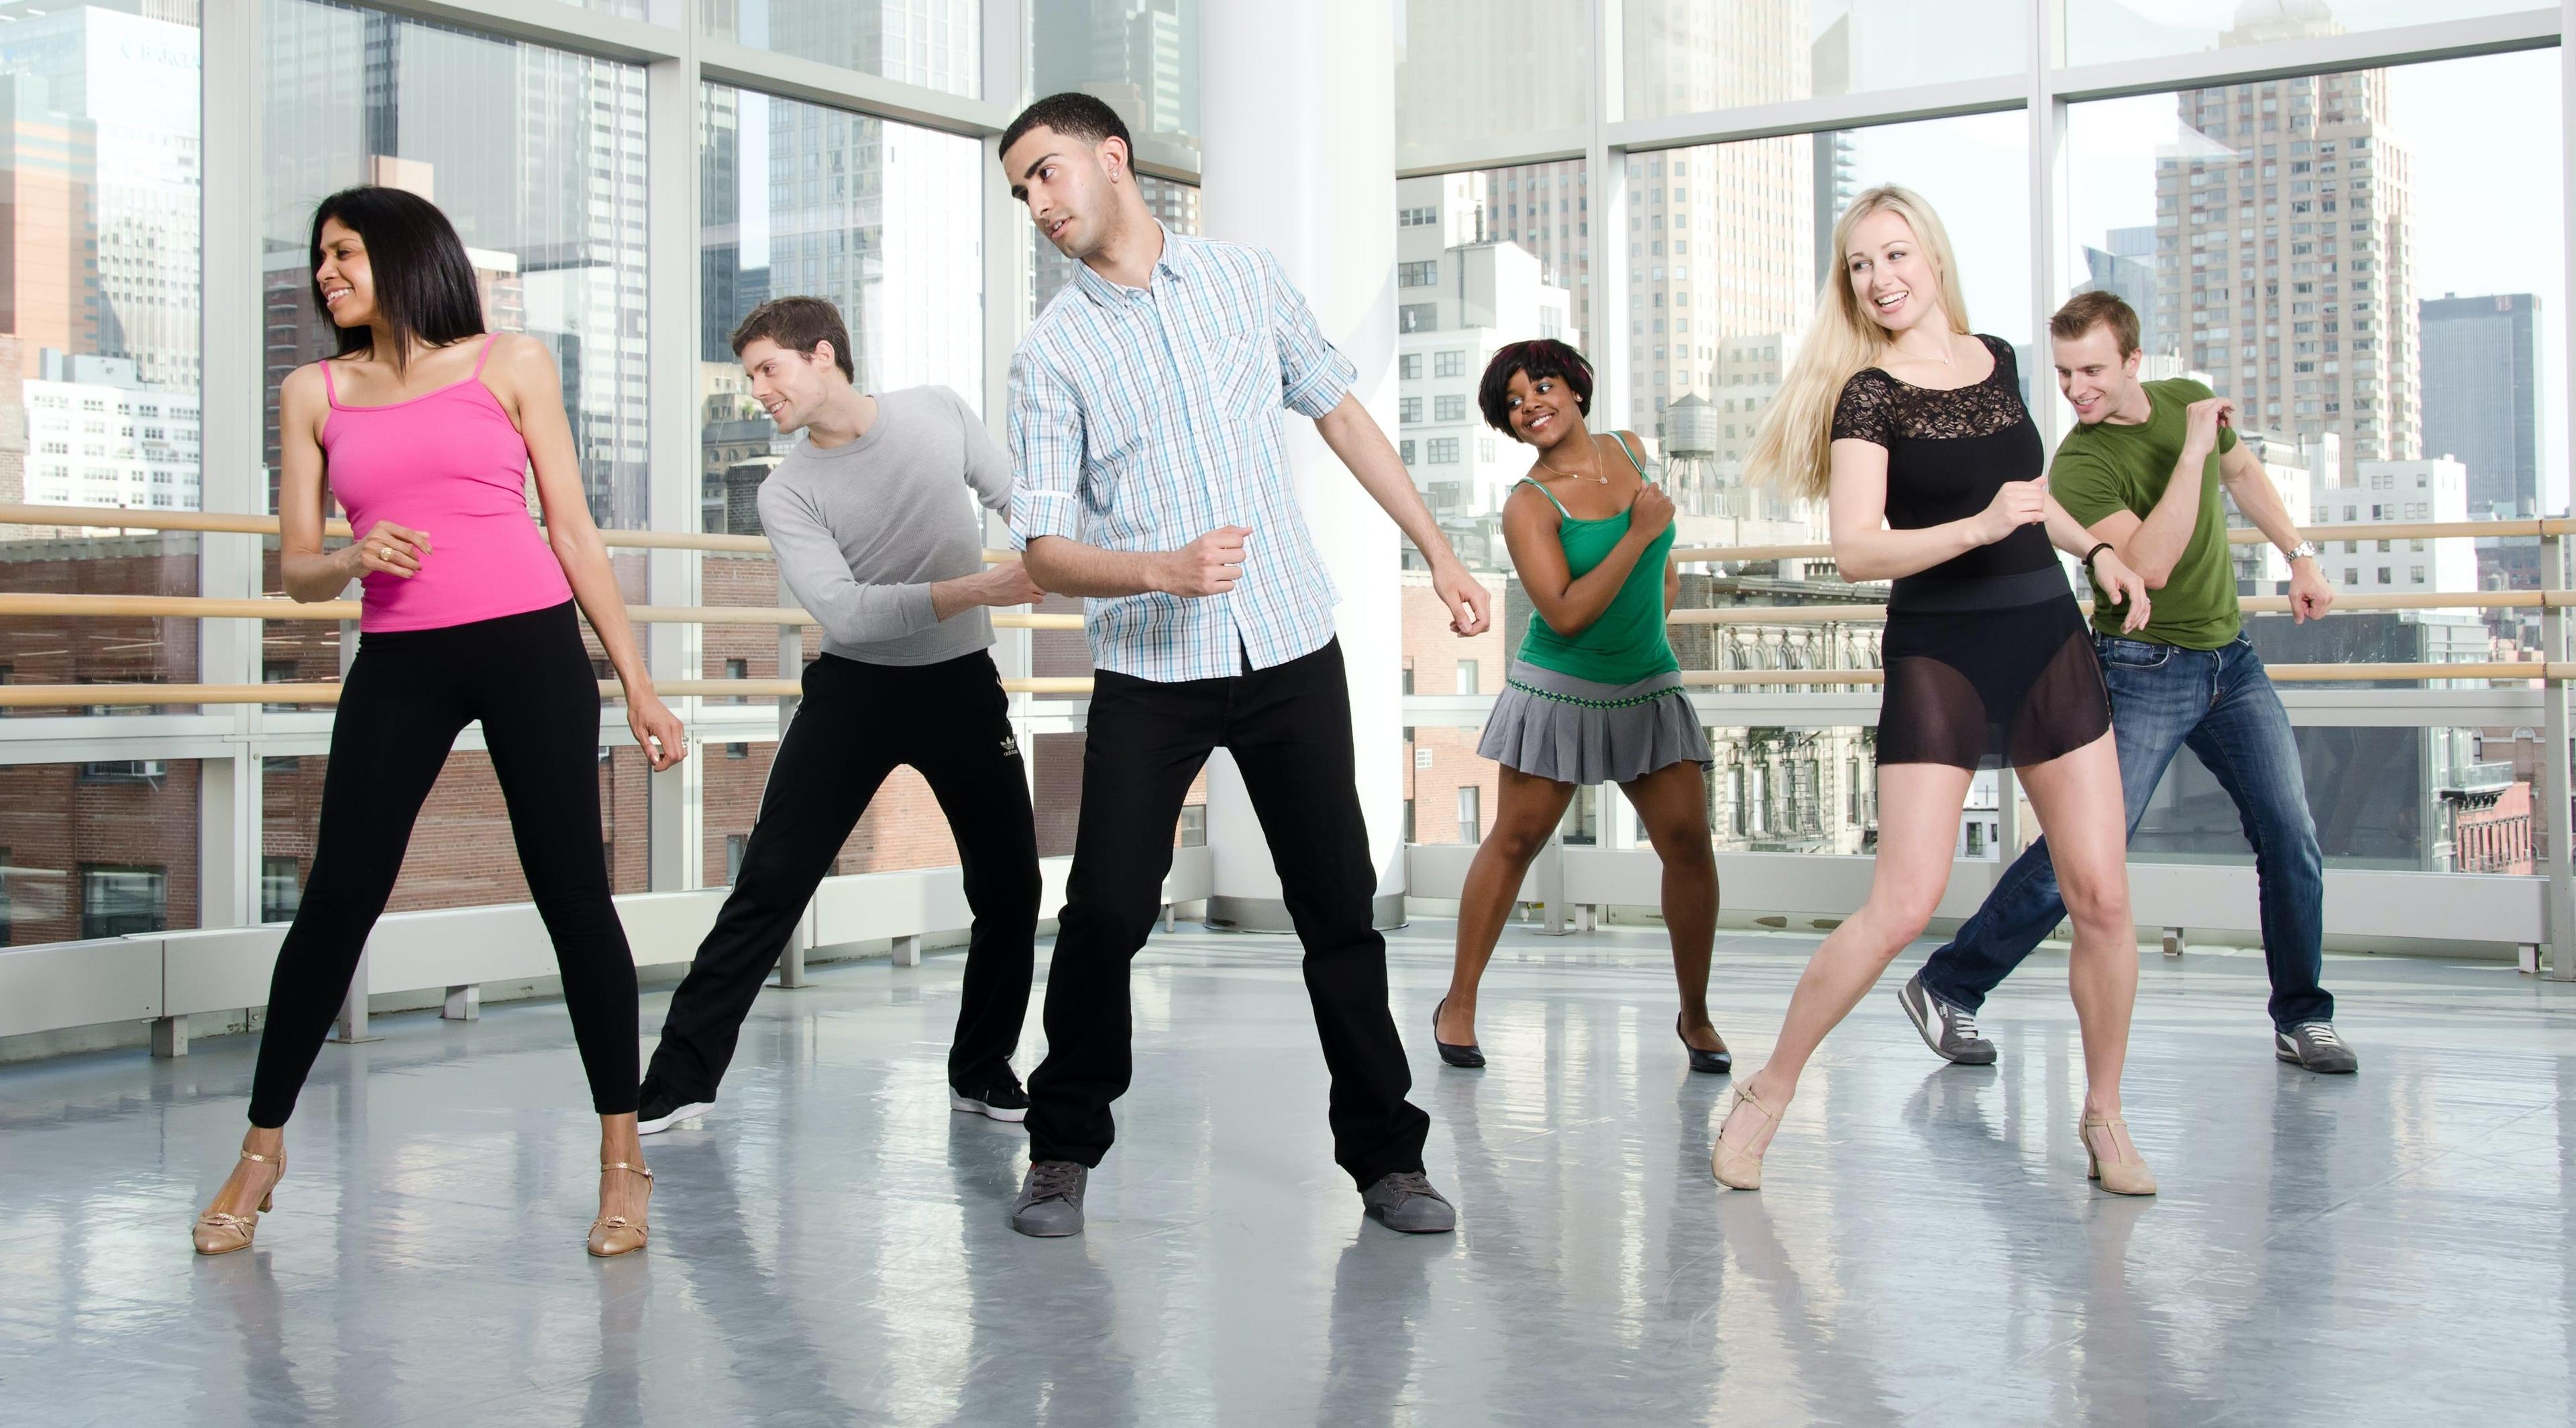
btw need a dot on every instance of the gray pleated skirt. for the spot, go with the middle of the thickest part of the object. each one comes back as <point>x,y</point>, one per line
<point>1555,726</point>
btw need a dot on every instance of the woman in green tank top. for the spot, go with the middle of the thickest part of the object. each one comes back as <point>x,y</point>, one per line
<point>1594,695</point>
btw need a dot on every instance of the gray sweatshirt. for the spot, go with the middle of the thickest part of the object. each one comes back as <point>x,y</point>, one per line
<point>862,530</point>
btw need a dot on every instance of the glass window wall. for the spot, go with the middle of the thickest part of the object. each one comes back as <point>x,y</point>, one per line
<point>1694,56</point>
<point>936,44</point>
<point>99,347</point>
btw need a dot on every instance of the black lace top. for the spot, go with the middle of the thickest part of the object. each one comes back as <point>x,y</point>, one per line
<point>1948,452</point>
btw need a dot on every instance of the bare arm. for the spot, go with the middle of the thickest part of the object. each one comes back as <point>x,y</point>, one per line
<point>1866,549</point>
<point>1069,567</point>
<point>307,572</point>
<point>1355,438</point>
<point>2241,471</point>
<point>2156,546</point>
<point>1569,605</point>
<point>522,373</point>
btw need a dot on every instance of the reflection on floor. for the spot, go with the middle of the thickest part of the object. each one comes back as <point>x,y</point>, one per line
<point>830,1246</point>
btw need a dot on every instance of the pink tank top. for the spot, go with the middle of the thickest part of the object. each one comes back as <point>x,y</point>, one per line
<point>448,463</point>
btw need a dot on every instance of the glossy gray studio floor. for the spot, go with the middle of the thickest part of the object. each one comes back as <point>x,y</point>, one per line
<point>830,1247</point>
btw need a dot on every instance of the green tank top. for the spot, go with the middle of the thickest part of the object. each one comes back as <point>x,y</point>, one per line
<point>1628,643</point>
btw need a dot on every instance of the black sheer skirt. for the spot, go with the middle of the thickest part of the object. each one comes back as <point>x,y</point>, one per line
<point>1978,678</point>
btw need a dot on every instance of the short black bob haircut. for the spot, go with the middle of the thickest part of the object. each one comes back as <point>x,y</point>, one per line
<point>1539,357</point>
<point>1075,116</point>
<point>424,283</point>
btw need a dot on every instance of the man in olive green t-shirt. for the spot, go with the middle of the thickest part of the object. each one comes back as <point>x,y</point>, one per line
<point>2143,470</point>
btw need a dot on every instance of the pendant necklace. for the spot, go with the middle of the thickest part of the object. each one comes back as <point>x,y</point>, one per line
<point>1602,479</point>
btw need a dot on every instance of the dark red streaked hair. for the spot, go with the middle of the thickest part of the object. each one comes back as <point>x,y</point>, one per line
<point>1539,357</point>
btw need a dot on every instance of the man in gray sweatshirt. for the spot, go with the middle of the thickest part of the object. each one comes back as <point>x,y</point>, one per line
<point>875,536</point>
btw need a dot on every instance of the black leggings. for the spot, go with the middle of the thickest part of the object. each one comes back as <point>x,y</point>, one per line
<point>409,692</point>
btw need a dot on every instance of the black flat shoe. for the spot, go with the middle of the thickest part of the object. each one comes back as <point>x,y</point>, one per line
<point>1715,1063</point>
<point>1467,1056</point>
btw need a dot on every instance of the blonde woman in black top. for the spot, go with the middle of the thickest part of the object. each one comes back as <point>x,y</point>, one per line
<point>1913,429</point>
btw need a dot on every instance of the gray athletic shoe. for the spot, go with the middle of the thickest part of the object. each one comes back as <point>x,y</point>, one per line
<point>1405,1201</point>
<point>1050,1203</point>
<point>2314,1045</point>
<point>1950,1031</point>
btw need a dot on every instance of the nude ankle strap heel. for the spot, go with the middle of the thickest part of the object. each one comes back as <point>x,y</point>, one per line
<point>613,1235</point>
<point>2120,1177</point>
<point>219,1232</point>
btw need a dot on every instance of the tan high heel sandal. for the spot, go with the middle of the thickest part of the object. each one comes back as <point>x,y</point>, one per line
<point>2120,1177</point>
<point>613,1235</point>
<point>1739,1169</point>
<point>218,1232</point>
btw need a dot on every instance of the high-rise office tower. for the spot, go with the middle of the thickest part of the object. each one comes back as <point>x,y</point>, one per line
<point>2482,396</point>
<point>2125,265</point>
<point>535,155</point>
<point>910,291</point>
<point>2284,269</point>
<point>1128,53</point>
<point>103,159</point>
<point>1721,239</point>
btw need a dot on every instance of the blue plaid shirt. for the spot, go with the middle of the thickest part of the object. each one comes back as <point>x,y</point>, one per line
<point>1143,418</point>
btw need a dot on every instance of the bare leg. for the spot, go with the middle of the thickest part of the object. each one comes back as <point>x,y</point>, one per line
<point>1918,819</point>
<point>251,1180</point>
<point>1673,801</point>
<point>2077,798</point>
<point>1528,811</point>
<point>621,1193</point>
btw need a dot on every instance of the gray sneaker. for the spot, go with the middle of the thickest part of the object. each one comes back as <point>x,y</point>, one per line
<point>1950,1031</point>
<point>1405,1201</point>
<point>1050,1203</point>
<point>2314,1045</point>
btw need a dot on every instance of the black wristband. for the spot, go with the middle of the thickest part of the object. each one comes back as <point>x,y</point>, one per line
<point>2096,550</point>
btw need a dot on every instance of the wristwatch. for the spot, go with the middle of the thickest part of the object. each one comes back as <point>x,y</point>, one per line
<point>2304,550</point>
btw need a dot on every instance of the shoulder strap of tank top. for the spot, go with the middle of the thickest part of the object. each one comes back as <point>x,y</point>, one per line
<point>330,388</point>
<point>1551,497</point>
<point>485,355</point>
<point>1622,438</point>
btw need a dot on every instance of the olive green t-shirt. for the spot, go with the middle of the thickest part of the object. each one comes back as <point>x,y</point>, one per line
<point>2108,467</point>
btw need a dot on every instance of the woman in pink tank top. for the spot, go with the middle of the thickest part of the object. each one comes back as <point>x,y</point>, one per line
<point>425,429</point>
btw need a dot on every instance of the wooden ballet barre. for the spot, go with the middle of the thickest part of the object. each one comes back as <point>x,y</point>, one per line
<point>226,523</point>
<point>41,696</point>
<point>2281,673</point>
<point>2242,535</point>
<point>2250,604</point>
<point>211,607</point>
<point>31,696</point>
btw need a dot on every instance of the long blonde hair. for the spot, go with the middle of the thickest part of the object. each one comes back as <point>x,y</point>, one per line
<point>1792,446</point>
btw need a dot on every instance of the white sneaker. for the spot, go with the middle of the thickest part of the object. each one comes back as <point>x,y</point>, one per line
<point>653,1120</point>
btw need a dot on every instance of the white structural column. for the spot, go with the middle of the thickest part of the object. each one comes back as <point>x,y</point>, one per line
<point>1297,126</point>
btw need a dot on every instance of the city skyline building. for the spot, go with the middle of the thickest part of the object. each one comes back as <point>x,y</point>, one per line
<point>1461,294</point>
<point>2125,266</point>
<point>1130,54</point>
<point>2285,265</point>
<point>530,152</point>
<point>102,104</point>
<point>1722,238</point>
<point>97,435</point>
<point>2481,374</point>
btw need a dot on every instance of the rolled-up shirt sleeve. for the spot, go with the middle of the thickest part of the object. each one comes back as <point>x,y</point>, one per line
<point>818,575</point>
<point>1313,373</point>
<point>1046,455</point>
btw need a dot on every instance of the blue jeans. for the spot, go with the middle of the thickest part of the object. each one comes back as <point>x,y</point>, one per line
<point>2220,703</point>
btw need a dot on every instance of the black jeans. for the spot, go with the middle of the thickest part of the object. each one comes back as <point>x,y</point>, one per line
<point>1289,728</point>
<point>952,722</point>
<point>408,694</point>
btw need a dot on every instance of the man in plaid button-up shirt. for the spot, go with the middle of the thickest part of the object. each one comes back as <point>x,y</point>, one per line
<point>1145,423</point>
